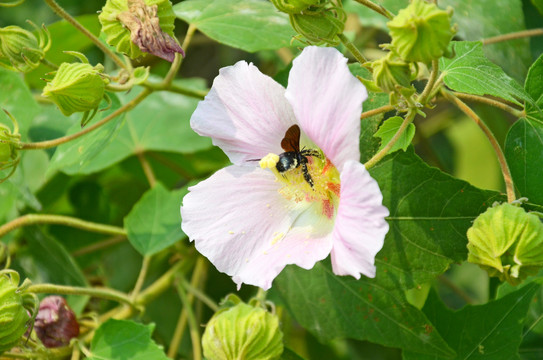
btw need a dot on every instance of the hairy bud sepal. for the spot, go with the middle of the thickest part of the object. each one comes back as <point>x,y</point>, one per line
<point>242,331</point>
<point>20,49</point>
<point>507,242</point>
<point>136,27</point>
<point>296,6</point>
<point>77,87</point>
<point>390,72</point>
<point>15,305</point>
<point>10,141</point>
<point>421,32</point>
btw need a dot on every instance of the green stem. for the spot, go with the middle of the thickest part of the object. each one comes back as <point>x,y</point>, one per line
<point>99,245</point>
<point>498,104</point>
<point>31,219</point>
<point>59,141</point>
<point>354,51</point>
<point>381,154</point>
<point>200,295</point>
<point>141,277</point>
<point>512,36</point>
<point>102,293</point>
<point>63,14</point>
<point>193,325</point>
<point>198,94</point>
<point>147,169</point>
<point>508,179</point>
<point>53,353</point>
<point>377,8</point>
<point>199,270</point>
<point>379,110</point>
<point>48,63</point>
<point>178,58</point>
<point>425,96</point>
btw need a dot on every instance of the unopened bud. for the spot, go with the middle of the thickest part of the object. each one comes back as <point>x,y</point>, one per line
<point>76,87</point>
<point>296,6</point>
<point>21,50</point>
<point>507,242</point>
<point>242,332</point>
<point>55,323</point>
<point>421,32</point>
<point>391,71</point>
<point>321,27</point>
<point>135,27</point>
<point>14,316</point>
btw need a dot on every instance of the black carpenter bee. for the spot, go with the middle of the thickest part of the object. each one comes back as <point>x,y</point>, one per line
<point>293,157</point>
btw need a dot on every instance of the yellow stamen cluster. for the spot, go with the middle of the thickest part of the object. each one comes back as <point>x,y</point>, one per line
<point>326,182</point>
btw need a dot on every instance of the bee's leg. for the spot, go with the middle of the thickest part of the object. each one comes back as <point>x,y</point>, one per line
<point>307,177</point>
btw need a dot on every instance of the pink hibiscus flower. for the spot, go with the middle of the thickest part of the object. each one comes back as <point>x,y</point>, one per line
<point>251,221</point>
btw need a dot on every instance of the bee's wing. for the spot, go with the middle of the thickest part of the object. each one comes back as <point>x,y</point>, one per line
<point>291,141</point>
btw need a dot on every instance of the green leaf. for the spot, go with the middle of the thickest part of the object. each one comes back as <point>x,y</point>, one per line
<point>50,263</point>
<point>160,123</point>
<point>523,149</point>
<point>389,128</point>
<point>476,22</point>
<point>78,154</point>
<point>154,222</point>
<point>250,25</point>
<point>489,331</point>
<point>124,339</point>
<point>534,87</point>
<point>524,141</point>
<point>469,71</point>
<point>332,306</point>
<point>430,213</point>
<point>539,5</point>
<point>290,355</point>
<point>16,98</point>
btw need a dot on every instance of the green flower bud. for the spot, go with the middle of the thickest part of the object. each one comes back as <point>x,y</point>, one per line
<point>296,6</point>
<point>421,32</point>
<point>242,332</point>
<point>13,310</point>
<point>76,87</point>
<point>5,152</point>
<point>320,27</point>
<point>138,26</point>
<point>21,50</point>
<point>507,242</point>
<point>391,71</point>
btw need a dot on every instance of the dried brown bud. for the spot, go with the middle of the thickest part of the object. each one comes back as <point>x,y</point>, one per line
<point>144,25</point>
<point>56,323</point>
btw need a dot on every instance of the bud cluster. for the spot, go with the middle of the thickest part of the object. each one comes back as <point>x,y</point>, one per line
<point>507,242</point>
<point>21,50</point>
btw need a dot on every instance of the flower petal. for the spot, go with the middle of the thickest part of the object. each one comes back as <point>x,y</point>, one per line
<point>300,246</point>
<point>245,113</point>
<point>360,225</point>
<point>327,100</point>
<point>247,229</point>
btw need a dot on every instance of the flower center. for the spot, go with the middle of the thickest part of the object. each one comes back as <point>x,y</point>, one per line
<point>307,176</point>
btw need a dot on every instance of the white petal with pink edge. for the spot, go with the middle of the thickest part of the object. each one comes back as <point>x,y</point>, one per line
<point>245,113</point>
<point>327,100</point>
<point>360,225</point>
<point>245,227</point>
<point>308,240</point>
